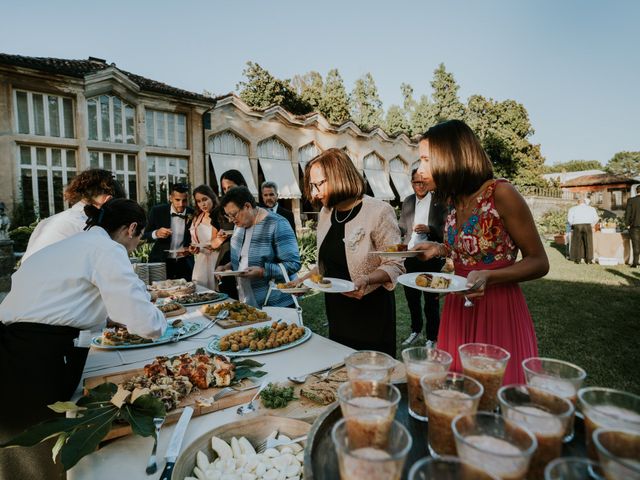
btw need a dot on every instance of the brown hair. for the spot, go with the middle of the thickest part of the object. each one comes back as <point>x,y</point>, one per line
<point>91,183</point>
<point>207,191</point>
<point>344,182</point>
<point>459,165</point>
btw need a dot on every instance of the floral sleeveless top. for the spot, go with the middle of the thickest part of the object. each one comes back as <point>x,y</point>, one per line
<point>482,239</point>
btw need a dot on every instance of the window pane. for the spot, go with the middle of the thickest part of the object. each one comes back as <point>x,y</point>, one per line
<point>129,114</point>
<point>58,192</point>
<point>119,162</point>
<point>43,193</point>
<point>25,155</point>
<point>133,194</point>
<point>182,131</point>
<point>106,161</point>
<point>71,161</point>
<point>23,112</point>
<point>131,160</point>
<point>93,120</point>
<point>183,166</point>
<point>41,156</point>
<point>67,115</point>
<point>94,159</point>
<point>151,164</point>
<point>38,114</point>
<point>104,117</point>
<point>56,157</point>
<point>117,120</point>
<point>160,138</point>
<point>54,119</point>
<point>27,189</point>
<point>171,130</point>
<point>149,125</point>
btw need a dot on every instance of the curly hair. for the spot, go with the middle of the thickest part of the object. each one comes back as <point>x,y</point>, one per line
<point>92,183</point>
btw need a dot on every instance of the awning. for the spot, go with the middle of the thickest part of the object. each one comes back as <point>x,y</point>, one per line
<point>402,184</point>
<point>281,173</point>
<point>222,162</point>
<point>379,184</point>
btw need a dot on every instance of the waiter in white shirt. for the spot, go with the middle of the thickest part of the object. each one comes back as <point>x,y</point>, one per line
<point>92,187</point>
<point>422,218</point>
<point>582,219</point>
<point>64,288</point>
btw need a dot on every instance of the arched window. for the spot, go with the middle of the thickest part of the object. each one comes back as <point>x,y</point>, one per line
<point>228,143</point>
<point>376,176</point>
<point>275,160</point>
<point>307,153</point>
<point>228,151</point>
<point>110,119</point>
<point>274,148</point>
<point>401,177</point>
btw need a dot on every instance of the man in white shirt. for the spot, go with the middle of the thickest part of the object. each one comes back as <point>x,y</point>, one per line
<point>421,219</point>
<point>582,219</point>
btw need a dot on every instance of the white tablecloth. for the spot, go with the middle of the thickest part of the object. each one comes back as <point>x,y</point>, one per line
<point>127,457</point>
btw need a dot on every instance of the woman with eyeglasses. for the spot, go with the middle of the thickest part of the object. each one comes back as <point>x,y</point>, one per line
<point>262,244</point>
<point>350,226</point>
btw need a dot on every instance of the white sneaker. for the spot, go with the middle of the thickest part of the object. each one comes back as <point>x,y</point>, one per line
<point>430,344</point>
<point>411,338</point>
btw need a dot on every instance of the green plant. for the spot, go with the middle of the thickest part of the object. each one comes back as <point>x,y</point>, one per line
<point>142,252</point>
<point>20,237</point>
<point>308,249</point>
<point>553,222</point>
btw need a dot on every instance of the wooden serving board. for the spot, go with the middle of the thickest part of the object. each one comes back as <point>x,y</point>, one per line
<point>192,400</point>
<point>228,323</point>
<point>175,313</point>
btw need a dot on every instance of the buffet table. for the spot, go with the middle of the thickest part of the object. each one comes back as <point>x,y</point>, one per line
<point>611,247</point>
<point>127,457</point>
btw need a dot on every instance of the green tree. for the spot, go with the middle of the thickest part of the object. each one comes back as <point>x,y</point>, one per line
<point>396,121</point>
<point>573,166</point>
<point>334,103</point>
<point>309,88</point>
<point>422,117</point>
<point>262,90</point>
<point>625,163</point>
<point>447,105</point>
<point>366,106</point>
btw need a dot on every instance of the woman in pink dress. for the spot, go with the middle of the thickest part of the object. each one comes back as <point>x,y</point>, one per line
<point>488,223</point>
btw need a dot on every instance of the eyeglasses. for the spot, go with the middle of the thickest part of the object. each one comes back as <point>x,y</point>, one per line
<point>418,183</point>
<point>232,216</point>
<point>317,185</point>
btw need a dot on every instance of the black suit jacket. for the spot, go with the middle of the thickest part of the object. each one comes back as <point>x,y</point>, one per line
<point>288,214</point>
<point>160,217</point>
<point>437,217</point>
<point>632,213</point>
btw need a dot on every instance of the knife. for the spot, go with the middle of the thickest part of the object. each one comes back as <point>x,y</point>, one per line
<point>175,443</point>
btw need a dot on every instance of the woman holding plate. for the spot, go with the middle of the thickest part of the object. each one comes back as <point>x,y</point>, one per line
<point>488,222</point>
<point>350,226</point>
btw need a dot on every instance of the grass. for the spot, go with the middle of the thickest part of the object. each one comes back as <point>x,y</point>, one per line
<point>585,314</point>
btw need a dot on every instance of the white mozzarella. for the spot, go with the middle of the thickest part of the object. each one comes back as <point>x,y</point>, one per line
<point>202,461</point>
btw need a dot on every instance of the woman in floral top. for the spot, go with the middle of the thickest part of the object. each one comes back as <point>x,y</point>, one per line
<point>488,223</point>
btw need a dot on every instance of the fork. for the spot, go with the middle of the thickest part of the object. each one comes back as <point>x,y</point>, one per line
<point>226,390</point>
<point>478,284</point>
<point>220,316</point>
<point>152,466</point>
<point>179,333</point>
<point>277,442</point>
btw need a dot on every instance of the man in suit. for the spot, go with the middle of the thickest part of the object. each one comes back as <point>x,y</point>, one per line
<point>422,218</point>
<point>632,218</point>
<point>168,227</point>
<point>269,191</point>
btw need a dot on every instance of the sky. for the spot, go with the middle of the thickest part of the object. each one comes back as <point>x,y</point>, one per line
<point>573,64</point>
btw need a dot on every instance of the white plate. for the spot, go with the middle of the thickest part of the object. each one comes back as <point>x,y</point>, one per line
<point>458,284</point>
<point>292,289</point>
<point>405,254</point>
<point>201,245</point>
<point>214,347</point>
<point>338,285</point>
<point>230,273</point>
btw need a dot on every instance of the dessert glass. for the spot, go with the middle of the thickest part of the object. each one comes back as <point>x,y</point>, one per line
<point>487,364</point>
<point>367,369</point>
<point>570,468</point>
<point>619,453</point>
<point>447,468</point>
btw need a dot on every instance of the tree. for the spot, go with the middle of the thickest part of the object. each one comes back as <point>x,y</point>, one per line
<point>262,90</point>
<point>309,88</point>
<point>447,105</point>
<point>366,106</point>
<point>573,166</point>
<point>423,116</point>
<point>334,104</point>
<point>625,163</point>
<point>408,102</point>
<point>396,121</point>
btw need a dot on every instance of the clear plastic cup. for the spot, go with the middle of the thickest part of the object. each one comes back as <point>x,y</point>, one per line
<point>564,379</point>
<point>445,399</point>
<point>447,468</point>
<point>366,369</point>
<point>487,364</point>
<point>618,452</point>
<point>546,416</point>
<point>369,417</point>
<point>420,362</point>
<point>371,463</point>
<point>489,441</point>
<point>607,408</point>
<point>570,468</point>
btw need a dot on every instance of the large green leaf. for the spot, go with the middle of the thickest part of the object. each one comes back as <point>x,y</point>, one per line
<point>42,431</point>
<point>141,413</point>
<point>247,362</point>
<point>244,372</point>
<point>86,440</point>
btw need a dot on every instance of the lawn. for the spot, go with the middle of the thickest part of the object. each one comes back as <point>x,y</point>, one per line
<point>585,314</point>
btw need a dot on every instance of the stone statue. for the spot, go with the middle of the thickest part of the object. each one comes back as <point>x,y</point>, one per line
<point>5,223</point>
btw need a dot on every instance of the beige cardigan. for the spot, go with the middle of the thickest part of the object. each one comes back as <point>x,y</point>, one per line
<point>374,227</point>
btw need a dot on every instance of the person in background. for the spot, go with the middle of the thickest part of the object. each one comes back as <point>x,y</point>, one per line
<point>230,179</point>
<point>269,191</point>
<point>168,228</point>
<point>488,222</point>
<point>206,237</point>
<point>582,219</point>
<point>261,241</point>
<point>92,187</point>
<point>350,226</point>
<point>632,219</point>
<point>421,219</point>
<point>69,286</point>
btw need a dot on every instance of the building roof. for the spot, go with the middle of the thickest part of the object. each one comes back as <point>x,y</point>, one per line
<point>598,179</point>
<point>566,176</point>
<point>81,68</point>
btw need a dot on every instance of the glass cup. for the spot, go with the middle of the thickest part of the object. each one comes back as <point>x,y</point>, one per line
<point>489,441</point>
<point>447,468</point>
<point>420,362</point>
<point>369,417</point>
<point>569,468</point>
<point>371,463</point>
<point>546,416</point>
<point>605,407</point>
<point>564,379</point>
<point>445,398</point>
<point>487,364</point>
<point>619,453</point>
<point>367,369</point>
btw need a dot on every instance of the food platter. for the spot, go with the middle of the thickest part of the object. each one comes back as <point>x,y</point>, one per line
<point>189,328</point>
<point>166,288</point>
<point>292,290</point>
<point>240,314</point>
<point>218,297</point>
<point>405,254</point>
<point>457,283</point>
<point>230,273</point>
<point>214,346</point>
<point>177,309</point>
<point>338,285</point>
